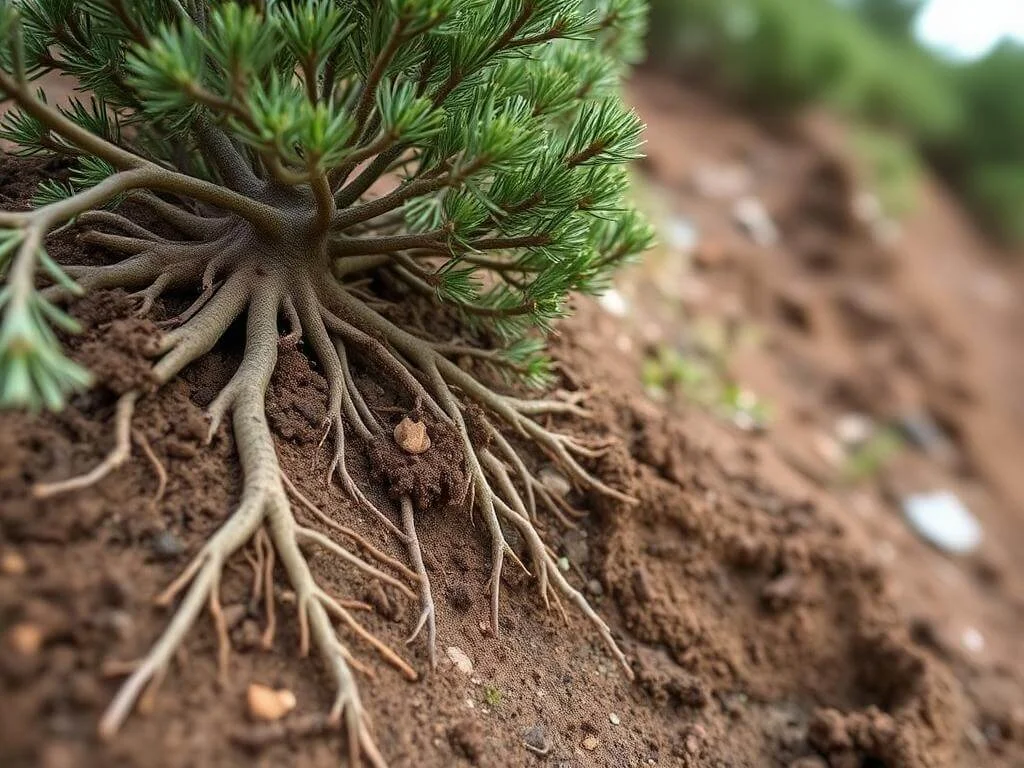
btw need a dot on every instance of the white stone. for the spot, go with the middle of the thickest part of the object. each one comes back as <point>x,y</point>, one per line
<point>943,520</point>
<point>460,660</point>
<point>753,218</point>
<point>973,640</point>
<point>854,429</point>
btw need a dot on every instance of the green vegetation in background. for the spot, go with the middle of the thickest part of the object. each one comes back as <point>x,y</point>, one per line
<point>892,166</point>
<point>869,459</point>
<point>860,58</point>
<point>701,374</point>
<point>990,150</point>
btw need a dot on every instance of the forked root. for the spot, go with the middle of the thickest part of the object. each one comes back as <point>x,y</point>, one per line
<point>427,615</point>
<point>263,511</point>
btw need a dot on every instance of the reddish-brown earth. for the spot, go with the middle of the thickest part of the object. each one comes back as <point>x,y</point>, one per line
<point>772,617</point>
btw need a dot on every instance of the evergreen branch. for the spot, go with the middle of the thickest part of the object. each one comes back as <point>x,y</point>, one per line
<point>369,92</point>
<point>18,90</point>
<point>347,217</point>
<point>349,194</point>
<point>138,33</point>
<point>366,246</point>
<point>478,310</point>
<point>219,151</point>
<point>508,243</point>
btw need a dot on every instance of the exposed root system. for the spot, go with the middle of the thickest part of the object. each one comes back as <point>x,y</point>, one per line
<point>298,275</point>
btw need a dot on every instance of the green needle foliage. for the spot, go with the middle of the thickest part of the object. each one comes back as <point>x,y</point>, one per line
<point>499,122</point>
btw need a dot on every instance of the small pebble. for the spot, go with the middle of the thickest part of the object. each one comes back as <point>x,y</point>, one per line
<point>412,436</point>
<point>535,740</point>
<point>973,640</point>
<point>722,182</point>
<point>615,719</point>
<point>854,429</point>
<point>577,549</point>
<point>594,587</point>
<point>268,704</point>
<point>682,235</point>
<point>167,546</point>
<point>13,564</point>
<point>752,217</point>
<point>943,520</point>
<point>120,623</point>
<point>590,743</point>
<point>461,661</point>
<point>554,482</point>
<point>25,638</point>
<point>809,762</point>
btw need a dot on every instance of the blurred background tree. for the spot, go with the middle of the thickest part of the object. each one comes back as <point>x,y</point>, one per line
<point>862,59</point>
<point>892,18</point>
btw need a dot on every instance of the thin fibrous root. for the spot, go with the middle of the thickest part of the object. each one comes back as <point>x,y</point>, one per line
<point>158,467</point>
<point>267,572</point>
<point>549,571</point>
<point>334,607</point>
<point>347,532</point>
<point>427,616</point>
<point>221,627</point>
<point>442,377</point>
<point>118,455</point>
<point>318,538</point>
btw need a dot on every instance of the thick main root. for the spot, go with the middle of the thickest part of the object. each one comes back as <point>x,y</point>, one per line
<point>339,327</point>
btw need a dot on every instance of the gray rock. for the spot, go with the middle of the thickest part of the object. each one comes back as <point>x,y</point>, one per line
<point>535,740</point>
<point>167,546</point>
<point>921,431</point>
<point>554,482</point>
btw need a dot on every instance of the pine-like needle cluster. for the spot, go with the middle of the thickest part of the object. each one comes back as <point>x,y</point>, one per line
<point>497,126</point>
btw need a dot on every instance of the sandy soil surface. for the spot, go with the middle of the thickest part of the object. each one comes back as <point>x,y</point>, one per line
<point>774,615</point>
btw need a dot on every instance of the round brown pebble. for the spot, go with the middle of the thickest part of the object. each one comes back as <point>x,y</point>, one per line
<point>268,704</point>
<point>412,436</point>
<point>25,638</point>
<point>12,564</point>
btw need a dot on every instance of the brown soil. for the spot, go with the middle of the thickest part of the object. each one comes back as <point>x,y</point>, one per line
<point>766,624</point>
